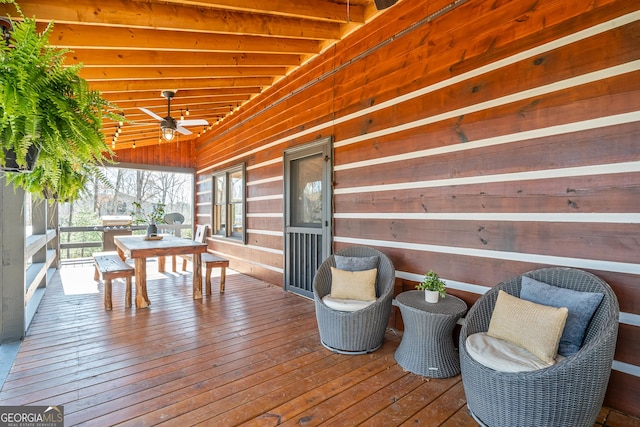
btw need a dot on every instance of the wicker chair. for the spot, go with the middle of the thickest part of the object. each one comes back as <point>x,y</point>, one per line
<point>361,331</point>
<point>569,393</point>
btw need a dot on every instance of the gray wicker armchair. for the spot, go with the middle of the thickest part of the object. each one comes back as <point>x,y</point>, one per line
<point>569,393</point>
<point>360,331</point>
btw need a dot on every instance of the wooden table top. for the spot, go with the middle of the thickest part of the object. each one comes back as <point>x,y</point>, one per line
<point>138,247</point>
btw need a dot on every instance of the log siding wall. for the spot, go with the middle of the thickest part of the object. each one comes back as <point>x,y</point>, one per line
<point>480,139</point>
<point>178,154</point>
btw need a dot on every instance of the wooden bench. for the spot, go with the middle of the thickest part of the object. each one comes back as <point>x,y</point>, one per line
<point>211,261</point>
<point>111,266</point>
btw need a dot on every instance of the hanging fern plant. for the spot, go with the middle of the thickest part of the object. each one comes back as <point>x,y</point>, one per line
<point>46,108</point>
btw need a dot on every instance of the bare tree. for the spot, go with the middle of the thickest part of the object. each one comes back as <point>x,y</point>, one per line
<point>96,195</point>
<point>115,207</point>
<point>144,186</point>
<point>170,186</point>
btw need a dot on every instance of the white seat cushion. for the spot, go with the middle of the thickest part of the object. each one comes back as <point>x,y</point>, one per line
<point>340,304</point>
<point>502,355</point>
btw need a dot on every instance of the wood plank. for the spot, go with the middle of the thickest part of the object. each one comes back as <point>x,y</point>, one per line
<point>576,240</point>
<point>358,403</point>
<point>275,205</point>
<point>83,36</point>
<point>554,195</point>
<point>122,13</point>
<point>226,359</point>
<point>343,372</point>
<point>628,348</point>
<point>408,405</point>
<point>535,150</point>
<point>173,155</point>
<point>440,410</point>
<point>624,394</point>
<point>266,241</point>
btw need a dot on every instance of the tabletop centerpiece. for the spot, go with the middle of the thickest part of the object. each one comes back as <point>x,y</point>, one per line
<point>433,287</point>
<point>152,218</point>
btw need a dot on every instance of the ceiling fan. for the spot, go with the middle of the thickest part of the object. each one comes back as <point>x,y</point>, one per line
<point>169,125</point>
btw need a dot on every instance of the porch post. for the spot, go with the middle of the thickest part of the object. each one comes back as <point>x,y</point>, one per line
<point>12,269</point>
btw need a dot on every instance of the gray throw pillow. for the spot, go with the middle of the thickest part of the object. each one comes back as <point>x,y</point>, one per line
<point>352,263</point>
<point>581,307</point>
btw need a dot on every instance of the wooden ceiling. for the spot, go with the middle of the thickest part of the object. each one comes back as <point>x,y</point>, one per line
<point>218,54</point>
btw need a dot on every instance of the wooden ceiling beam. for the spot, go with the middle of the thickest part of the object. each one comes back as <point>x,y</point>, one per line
<point>206,112</point>
<point>183,103</point>
<point>178,18</point>
<point>81,36</point>
<point>144,130</point>
<point>162,58</point>
<point>148,137</point>
<point>322,10</point>
<point>146,141</point>
<point>172,84</point>
<point>135,73</point>
<point>136,116</point>
<point>183,93</point>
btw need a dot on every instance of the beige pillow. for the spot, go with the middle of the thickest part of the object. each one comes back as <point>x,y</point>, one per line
<point>358,285</point>
<point>534,327</point>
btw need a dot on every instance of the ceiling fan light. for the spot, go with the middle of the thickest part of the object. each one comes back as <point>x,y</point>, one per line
<point>168,134</point>
<point>168,126</point>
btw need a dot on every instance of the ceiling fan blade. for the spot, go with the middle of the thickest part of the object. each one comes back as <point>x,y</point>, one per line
<point>138,124</point>
<point>193,122</point>
<point>151,113</point>
<point>183,130</point>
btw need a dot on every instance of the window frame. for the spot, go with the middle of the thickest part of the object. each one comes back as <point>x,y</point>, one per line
<point>228,204</point>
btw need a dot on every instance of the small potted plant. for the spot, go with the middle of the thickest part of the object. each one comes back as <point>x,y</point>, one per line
<point>432,286</point>
<point>152,218</point>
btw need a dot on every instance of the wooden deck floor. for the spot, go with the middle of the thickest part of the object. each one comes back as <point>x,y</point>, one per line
<point>251,356</point>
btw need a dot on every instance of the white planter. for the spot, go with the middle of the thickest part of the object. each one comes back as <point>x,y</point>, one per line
<point>431,296</point>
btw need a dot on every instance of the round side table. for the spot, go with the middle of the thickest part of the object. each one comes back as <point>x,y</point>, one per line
<point>427,346</point>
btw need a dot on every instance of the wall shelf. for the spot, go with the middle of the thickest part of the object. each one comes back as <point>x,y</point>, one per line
<point>29,261</point>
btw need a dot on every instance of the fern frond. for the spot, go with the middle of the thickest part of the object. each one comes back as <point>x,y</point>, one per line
<point>44,102</point>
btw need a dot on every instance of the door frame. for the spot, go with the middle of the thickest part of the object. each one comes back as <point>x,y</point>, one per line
<point>322,146</point>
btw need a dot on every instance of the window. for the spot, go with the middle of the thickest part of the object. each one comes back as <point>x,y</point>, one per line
<point>306,189</point>
<point>229,203</point>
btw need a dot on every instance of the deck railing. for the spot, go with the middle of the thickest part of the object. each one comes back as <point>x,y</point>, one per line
<point>102,237</point>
